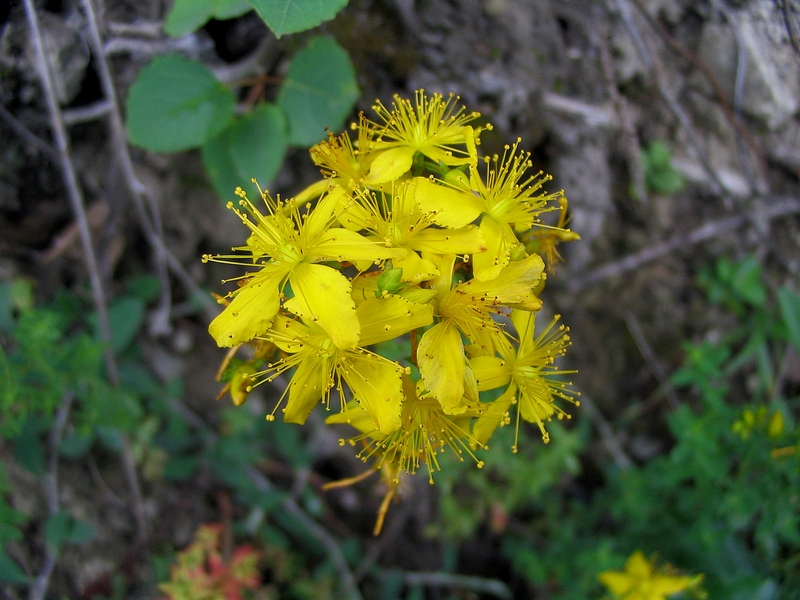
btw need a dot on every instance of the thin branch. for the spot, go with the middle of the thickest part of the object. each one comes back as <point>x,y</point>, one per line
<point>478,585</point>
<point>650,358</point>
<point>30,137</point>
<point>73,189</point>
<point>668,97</point>
<point>39,586</point>
<point>613,445</point>
<point>79,213</point>
<point>84,114</point>
<point>629,137</point>
<point>778,208</point>
<point>161,322</point>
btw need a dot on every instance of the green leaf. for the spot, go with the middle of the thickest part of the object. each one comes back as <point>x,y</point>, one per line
<point>176,104</point>
<point>252,146</point>
<point>291,16</point>
<point>125,318</point>
<point>63,528</point>
<point>319,91</point>
<point>75,445</point>
<point>789,302</point>
<point>10,571</point>
<point>29,449</point>
<point>188,15</point>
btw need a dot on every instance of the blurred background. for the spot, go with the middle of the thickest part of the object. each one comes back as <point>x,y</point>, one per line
<point>674,129</point>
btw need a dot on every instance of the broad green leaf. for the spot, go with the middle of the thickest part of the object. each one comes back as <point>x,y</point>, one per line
<point>63,528</point>
<point>125,318</point>
<point>188,15</point>
<point>10,571</point>
<point>252,146</point>
<point>789,302</point>
<point>176,104</point>
<point>319,91</point>
<point>291,16</point>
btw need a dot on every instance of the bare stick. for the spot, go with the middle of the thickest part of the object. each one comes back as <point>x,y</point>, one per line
<point>161,323</point>
<point>652,361</point>
<point>79,212</point>
<point>668,96</point>
<point>39,586</point>
<point>777,208</point>
<point>30,137</point>
<point>479,585</point>
<point>73,189</point>
<point>613,445</point>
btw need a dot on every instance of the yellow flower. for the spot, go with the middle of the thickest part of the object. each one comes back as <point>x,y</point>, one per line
<point>342,163</point>
<point>506,200</point>
<point>425,433</point>
<point>641,580</point>
<point>433,126</point>
<point>322,366</point>
<point>468,308</point>
<point>398,221</point>
<point>530,374</point>
<point>284,246</point>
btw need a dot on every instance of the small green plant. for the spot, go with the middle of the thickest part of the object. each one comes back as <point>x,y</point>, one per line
<point>659,174</point>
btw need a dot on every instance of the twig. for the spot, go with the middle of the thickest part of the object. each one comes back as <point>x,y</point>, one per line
<point>73,190</point>
<point>730,113</point>
<point>79,212</point>
<point>629,137</point>
<point>651,360</point>
<point>610,440</point>
<point>668,97</point>
<point>778,208</point>
<point>84,114</point>
<point>479,585</point>
<point>39,586</point>
<point>161,322</point>
<point>30,137</point>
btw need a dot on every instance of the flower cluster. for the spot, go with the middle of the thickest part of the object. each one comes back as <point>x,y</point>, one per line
<point>410,236</point>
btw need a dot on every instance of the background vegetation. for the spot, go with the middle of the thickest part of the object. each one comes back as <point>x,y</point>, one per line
<point>673,127</point>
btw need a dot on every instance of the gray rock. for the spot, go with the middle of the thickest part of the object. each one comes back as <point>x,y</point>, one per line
<point>771,89</point>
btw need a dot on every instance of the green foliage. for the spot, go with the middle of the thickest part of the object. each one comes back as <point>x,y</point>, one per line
<point>721,501</point>
<point>253,146</point>
<point>188,15</point>
<point>291,16</point>
<point>311,102</point>
<point>176,104</point>
<point>659,174</point>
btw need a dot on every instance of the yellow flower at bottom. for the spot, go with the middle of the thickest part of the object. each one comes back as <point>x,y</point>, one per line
<point>641,580</point>
<point>426,432</point>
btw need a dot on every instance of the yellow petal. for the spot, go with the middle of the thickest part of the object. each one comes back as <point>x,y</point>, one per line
<point>513,284</point>
<point>315,190</point>
<point>499,239</point>
<point>618,583</point>
<point>287,334</point>
<point>251,311</point>
<point>491,372</point>
<point>309,384</point>
<point>341,244</point>
<point>390,165</point>
<point>442,364</point>
<point>390,317</point>
<point>322,296</point>
<point>378,387</point>
<point>492,415</point>
<point>467,240</point>
<point>453,208</point>
<point>416,268</point>
<point>320,216</point>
